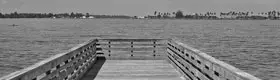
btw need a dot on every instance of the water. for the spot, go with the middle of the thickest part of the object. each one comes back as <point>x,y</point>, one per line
<point>252,46</point>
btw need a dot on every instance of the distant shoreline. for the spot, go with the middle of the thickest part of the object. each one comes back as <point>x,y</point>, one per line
<point>138,19</point>
<point>271,15</point>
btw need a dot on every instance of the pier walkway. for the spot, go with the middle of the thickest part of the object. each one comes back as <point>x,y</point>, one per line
<point>132,70</point>
<point>131,59</point>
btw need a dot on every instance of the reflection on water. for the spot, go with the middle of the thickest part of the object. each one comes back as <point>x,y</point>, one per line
<point>252,46</point>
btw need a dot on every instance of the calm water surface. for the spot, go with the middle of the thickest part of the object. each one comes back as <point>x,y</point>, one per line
<point>252,46</point>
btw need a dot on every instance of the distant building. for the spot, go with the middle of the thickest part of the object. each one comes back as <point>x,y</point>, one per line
<point>230,16</point>
<point>84,17</point>
<point>140,17</point>
<point>151,17</point>
<point>90,17</point>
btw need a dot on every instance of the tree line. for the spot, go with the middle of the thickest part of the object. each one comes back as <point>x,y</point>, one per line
<point>213,15</point>
<point>157,15</point>
<point>59,15</point>
<point>41,15</point>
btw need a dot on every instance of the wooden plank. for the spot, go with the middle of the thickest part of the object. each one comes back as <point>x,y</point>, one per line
<point>131,40</point>
<point>128,57</point>
<point>180,48</point>
<point>77,74</point>
<point>86,67</point>
<point>176,51</point>
<point>179,68</point>
<point>45,65</point>
<point>136,70</point>
<point>125,55</point>
<point>181,62</point>
<point>135,49</point>
<point>192,64</point>
<point>241,74</point>
<point>63,67</point>
<point>106,44</point>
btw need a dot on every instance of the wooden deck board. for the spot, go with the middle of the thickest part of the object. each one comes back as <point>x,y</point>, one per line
<point>132,70</point>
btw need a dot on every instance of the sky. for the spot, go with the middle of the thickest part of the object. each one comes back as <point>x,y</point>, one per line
<point>136,7</point>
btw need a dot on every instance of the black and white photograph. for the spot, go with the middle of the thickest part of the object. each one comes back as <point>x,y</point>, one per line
<point>139,40</point>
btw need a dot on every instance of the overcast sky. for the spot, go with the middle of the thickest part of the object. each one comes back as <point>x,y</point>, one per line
<point>136,7</point>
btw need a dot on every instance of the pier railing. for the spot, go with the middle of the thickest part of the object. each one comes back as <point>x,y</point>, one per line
<point>138,49</point>
<point>197,65</point>
<point>70,65</point>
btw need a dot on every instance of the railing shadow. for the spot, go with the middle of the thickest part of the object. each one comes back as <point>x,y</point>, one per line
<point>93,71</point>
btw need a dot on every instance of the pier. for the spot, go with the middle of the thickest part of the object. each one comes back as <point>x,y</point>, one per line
<point>131,59</point>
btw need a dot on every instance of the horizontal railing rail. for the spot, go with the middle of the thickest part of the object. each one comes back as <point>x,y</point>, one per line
<point>69,65</point>
<point>197,65</point>
<point>132,48</point>
<point>131,40</point>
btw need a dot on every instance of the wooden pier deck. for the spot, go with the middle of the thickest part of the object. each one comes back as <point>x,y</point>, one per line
<point>131,59</point>
<point>132,70</point>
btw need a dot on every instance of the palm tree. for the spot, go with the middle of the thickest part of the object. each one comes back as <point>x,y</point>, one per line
<point>269,13</point>
<point>168,14</point>
<point>278,13</point>
<point>221,14</point>
<point>274,13</point>
<point>262,13</point>
<point>174,13</point>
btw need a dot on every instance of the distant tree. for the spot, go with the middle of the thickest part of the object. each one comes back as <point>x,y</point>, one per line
<point>269,13</point>
<point>179,14</point>
<point>158,16</point>
<point>50,15</point>
<point>174,13</point>
<point>207,14</point>
<point>274,13</point>
<point>169,14</point>
<point>87,15</point>
<point>79,15</point>
<point>1,15</point>
<point>14,15</point>
<point>155,13</point>
<point>72,15</point>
